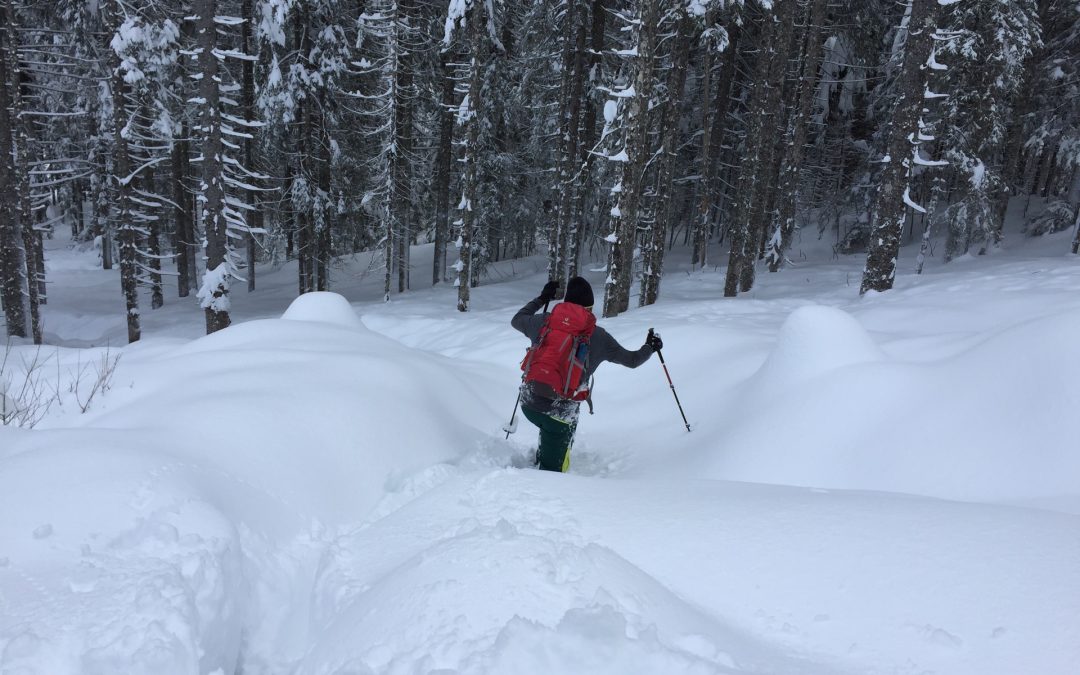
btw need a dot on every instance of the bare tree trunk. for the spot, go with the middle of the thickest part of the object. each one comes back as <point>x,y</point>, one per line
<point>305,229</point>
<point>1076,230</point>
<point>32,253</point>
<point>323,240</point>
<point>787,190</point>
<point>712,140</point>
<point>404,96</point>
<point>573,84</point>
<point>77,197</point>
<point>589,132</point>
<point>891,199</point>
<point>214,288</point>
<point>1042,182</point>
<point>322,268</point>
<point>153,247</point>
<point>185,234</point>
<point>305,260</point>
<point>106,231</point>
<point>654,247</point>
<point>443,157</point>
<point>39,257</point>
<point>12,276</point>
<point>556,232</point>
<point>388,257</point>
<point>625,215</point>
<point>756,158</point>
<point>937,191</point>
<point>700,232</point>
<point>768,167</point>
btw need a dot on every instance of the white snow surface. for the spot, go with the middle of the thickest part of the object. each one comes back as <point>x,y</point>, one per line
<point>877,485</point>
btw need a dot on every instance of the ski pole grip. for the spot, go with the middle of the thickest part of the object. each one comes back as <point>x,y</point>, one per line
<point>649,339</point>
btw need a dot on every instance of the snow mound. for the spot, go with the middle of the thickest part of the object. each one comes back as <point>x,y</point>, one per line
<point>526,573</point>
<point>994,423</point>
<point>814,340</point>
<point>553,598</point>
<point>323,307</point>
<point>562,606</point>
<point>158,532</point>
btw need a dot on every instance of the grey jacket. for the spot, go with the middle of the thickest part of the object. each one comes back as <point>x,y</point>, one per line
<point>602,347</point>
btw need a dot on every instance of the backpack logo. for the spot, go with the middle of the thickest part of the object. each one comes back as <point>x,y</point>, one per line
<point>558,359</point>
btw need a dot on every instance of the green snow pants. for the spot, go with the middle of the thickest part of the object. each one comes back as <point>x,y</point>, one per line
<point>556,437</point>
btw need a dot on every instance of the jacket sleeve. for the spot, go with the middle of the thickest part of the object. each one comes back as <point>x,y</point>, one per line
<point>611,350</point>
<point>527,321</point>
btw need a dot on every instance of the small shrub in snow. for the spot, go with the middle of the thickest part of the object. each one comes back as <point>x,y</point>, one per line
<point>32,383</point>
<point>85,385</point>
<point>26,394</point>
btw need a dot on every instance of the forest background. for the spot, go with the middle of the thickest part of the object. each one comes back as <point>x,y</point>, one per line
<point>189,141</point>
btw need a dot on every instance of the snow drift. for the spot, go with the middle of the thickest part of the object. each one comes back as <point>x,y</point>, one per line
<point>961,427</point>
<point>158,525</point>
<point>325,493</point>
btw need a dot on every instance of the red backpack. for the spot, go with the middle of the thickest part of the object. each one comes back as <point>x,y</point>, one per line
<point>558,359</point>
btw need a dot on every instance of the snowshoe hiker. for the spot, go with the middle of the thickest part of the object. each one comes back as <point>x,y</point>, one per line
<point>567,346</point>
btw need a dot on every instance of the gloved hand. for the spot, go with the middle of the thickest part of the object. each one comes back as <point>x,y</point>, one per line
<point>551,288</point>
<point>654,341</point>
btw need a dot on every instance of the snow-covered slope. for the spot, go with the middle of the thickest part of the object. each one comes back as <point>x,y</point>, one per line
<point>878,485</point>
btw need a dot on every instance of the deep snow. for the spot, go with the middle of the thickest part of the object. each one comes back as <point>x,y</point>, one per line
<point>887,484</point>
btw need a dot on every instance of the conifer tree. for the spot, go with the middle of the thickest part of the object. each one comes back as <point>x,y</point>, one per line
<point>630,111</point>
<point>893,196</point>
<point>478,21</point>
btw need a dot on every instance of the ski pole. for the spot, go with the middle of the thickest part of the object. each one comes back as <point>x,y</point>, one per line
<point>510,428</point>
<point>671,384</point>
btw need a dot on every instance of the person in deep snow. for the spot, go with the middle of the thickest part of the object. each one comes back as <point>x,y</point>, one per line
<point>556,413</point>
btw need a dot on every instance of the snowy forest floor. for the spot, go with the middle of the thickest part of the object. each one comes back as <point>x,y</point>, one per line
<point>887,484</point>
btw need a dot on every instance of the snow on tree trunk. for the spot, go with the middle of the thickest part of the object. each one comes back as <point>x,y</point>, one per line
<point>470,118</point>
<point>891,203</point>
<point>214,290</point>
<point>153,248</point>
<point>247,94</point>
<point>126,229</point>
<point>634,158</point>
